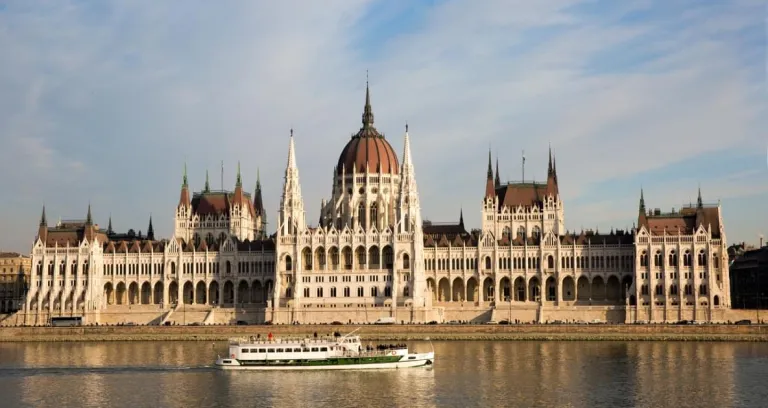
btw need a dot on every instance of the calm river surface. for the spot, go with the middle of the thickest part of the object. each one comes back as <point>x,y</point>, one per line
<point>465,374</point>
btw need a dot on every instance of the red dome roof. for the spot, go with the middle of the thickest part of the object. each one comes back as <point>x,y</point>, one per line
<point>368,150</point>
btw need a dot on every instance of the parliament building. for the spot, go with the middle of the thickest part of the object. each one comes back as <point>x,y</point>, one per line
<point>371,256</point>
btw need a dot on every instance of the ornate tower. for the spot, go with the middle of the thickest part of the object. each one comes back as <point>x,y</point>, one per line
<point>409,221</point>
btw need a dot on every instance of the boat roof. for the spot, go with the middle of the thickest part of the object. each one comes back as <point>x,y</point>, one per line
<point>294,340</point>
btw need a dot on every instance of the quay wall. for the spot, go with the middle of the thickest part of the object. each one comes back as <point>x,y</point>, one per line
<point>652,332</point>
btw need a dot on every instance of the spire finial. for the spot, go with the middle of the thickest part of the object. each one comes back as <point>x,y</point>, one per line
<point>367,111</point>
<point>490,165</point>
<point>109,225</point>
<point>89,218</point>
<point>184,182</point>
<point>150,229</point>
<point>239,182</point>
<point>43,220</point>
<point>406,126</point>
<point>642,200</point>
<point>258,178</point>
<point>699,202</point>
<point>497,180</point>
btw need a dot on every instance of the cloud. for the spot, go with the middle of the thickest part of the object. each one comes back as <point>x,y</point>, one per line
<point>107,107</point>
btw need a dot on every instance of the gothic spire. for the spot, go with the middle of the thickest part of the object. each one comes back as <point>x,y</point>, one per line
<point>150,230</point>
<point>490,166</point>
<point>291,153</point>
<point>367,111</point>
<point>184,178</point>
<point>43,220</point>
<point>497,180</point>
<point>461,218</point>
<point>239,182</point>
<point>699,202</point>
<point>551,168</point>
<point>89,218</point>
<point>207,187</point>
<point>642,201</point>
<point>109,225</point>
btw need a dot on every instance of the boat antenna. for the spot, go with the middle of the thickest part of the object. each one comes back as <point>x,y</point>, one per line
<point>351,333</point>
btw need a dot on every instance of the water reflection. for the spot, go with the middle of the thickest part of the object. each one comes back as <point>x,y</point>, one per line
<point>466,374</point>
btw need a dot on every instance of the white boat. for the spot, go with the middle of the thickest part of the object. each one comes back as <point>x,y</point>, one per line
<point>317,353</point>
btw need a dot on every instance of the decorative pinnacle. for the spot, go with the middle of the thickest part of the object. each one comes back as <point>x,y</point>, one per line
<point>184,182</point>
<point>367,111</point>
<point>239,181</point>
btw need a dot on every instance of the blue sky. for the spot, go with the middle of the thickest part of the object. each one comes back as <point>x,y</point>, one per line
<point>103,101</point>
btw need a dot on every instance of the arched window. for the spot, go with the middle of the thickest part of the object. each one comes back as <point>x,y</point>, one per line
<point>657,258</point>
<point>715,261</point>
<point>659,290</point>
<point>406,291</point>
<point>361,215</point>
<point>406,261</point>
<point>702,258</point>
<point>521,231</point>
<point>288,264</point>
<point>209,239</point>
<point>644,259</point>
<point>360,292</point>
<point>703,289</point>
<point>687,258</point>
<point>374,291</point>
<point>373,220</point>
<point>673,290</point>
<point>506,232</point>
<point>550,262</point>
<point>672,258</point>
<point>536,233</point>
<point>487,262</point>
<point>222,237</point>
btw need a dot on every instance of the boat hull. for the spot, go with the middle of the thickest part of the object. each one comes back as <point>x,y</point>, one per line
<point>409,360</point>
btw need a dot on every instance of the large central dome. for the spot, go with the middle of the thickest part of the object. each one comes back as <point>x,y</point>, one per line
<point>368,150</point>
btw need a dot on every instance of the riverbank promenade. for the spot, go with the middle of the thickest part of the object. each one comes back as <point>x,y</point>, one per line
<point>529,332</point>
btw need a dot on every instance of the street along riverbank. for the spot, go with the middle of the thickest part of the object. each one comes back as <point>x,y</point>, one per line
<point>598,332</point>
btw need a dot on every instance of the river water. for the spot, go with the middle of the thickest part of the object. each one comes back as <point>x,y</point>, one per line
<point>465,374</point>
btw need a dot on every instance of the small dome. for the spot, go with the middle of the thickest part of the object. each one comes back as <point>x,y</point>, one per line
<point>368,150</point>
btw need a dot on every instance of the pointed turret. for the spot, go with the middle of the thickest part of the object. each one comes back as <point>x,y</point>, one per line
<point>258,202</point>
<point>490,190</point>
<point>410,208</point>
<point>642,218</point>
<point>367,111</point>
<point>497,179</point>
<point>552,187</point>
<point>461,218</point>
<point>109,226</point>
<point>239,197</point>
<point>43,219</point>
<point>42,230</point>
<point>90,229</point>
<point>207,187</point>
<point>292,215</point>
<point>699,202</point>
<point>150,230</point>
<point>184,196</point>
<point>88,217</point>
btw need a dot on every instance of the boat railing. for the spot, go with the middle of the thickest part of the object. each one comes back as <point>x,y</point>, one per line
<point>286,340</point>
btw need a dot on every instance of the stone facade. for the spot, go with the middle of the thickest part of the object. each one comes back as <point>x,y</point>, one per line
<point>14,277</point>
<point>372,256</point>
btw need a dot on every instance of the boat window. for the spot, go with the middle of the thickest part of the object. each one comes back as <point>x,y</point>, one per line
<point>297,350</point>
<point>262,350</point>
<point>306,350</point>
<point>279,350</point>
<point>270,350</point>
<point>245,350</point>
<point>314,348</point>
<point>324,349</point>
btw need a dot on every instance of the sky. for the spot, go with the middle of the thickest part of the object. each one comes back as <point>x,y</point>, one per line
<point>103,102</point>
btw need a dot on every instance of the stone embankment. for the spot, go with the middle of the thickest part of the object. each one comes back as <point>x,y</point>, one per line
<point>660,332</point>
